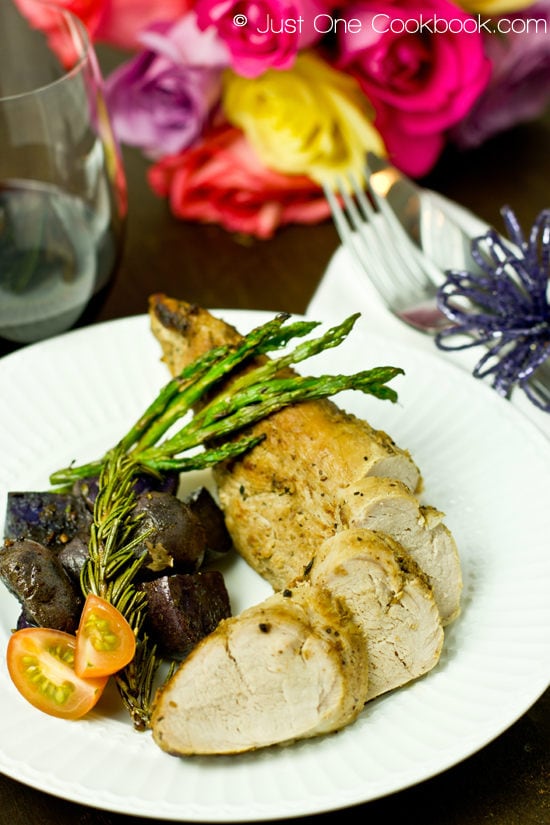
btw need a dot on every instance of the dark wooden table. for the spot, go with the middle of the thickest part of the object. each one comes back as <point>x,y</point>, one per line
<point>506,783</point>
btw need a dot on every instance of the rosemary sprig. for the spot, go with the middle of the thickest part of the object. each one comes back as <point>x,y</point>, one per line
<point>113,537</point>
<point>137,682</point>
<point>265,387</point>
<point>110,572</point>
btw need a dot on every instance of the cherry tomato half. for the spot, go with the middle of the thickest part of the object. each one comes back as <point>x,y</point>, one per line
<point>41,665</point>
<point>105,642</point>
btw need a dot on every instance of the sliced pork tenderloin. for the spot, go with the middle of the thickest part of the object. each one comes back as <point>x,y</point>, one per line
<point>387,506</point>
<point>279,499</point>
<point>390,599</point>
<point>292,667</point>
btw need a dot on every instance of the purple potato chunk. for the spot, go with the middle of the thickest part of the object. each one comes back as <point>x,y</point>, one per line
<point>184,608</point>
<point>73,556</point>
<point>34,575</point>
<point>51,519</point>
<point>211,517</point>
<point>175,539</point>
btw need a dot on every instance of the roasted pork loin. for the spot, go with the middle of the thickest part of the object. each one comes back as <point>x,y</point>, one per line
<point>325,509</point>
<point>280,499</point>
<point>319,470</point>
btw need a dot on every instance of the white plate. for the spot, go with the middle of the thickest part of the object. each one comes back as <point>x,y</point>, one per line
<point>484,464</point>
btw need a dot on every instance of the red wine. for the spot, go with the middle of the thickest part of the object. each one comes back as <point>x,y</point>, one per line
<point>56,254</point>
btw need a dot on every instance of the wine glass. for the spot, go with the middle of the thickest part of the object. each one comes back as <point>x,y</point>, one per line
<point>62,184</point>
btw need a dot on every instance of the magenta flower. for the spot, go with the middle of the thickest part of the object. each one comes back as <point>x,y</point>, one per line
<point>422,77</point>
<point>519,89</point>
<point>162,99</point>
<point>262,34</point>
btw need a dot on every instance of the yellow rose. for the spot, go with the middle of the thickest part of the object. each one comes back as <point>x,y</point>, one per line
<point>494,6</point>
<point>310,120</point>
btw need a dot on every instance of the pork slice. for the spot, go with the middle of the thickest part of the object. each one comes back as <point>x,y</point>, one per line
<point>292,667</point>
<point>387,506</point>
<point>390,599</point>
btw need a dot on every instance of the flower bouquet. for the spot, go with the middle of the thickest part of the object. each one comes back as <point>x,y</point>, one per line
<point>246,107</point>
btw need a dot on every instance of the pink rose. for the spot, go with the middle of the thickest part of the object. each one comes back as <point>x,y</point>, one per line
<point>123,20</point>
<point>421,64</point>
<point>220,180</point>
<point>262,34</point>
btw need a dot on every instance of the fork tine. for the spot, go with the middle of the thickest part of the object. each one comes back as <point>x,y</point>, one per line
<point>372,232</point>
<point>369,237</point>
<point>425,272</point>
<point>391,241</point>
<point>353,233</point>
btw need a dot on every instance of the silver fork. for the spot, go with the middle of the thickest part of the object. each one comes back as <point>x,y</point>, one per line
<point>405,277</point>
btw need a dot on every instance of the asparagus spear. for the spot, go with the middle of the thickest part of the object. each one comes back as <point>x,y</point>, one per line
<point>265,388</point>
